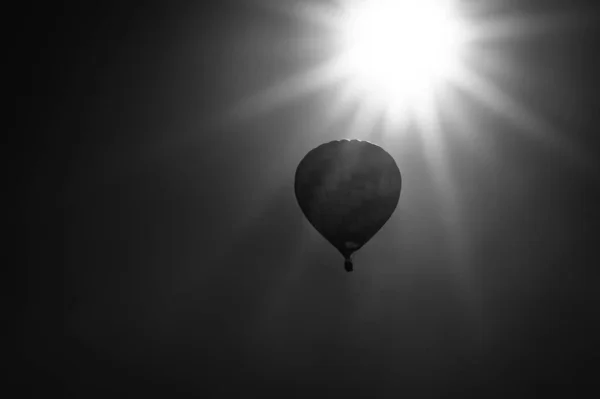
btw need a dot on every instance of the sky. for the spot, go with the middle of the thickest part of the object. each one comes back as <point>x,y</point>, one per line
<point>165,253</point>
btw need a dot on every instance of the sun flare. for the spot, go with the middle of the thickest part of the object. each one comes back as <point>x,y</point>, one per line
<point>391,64</point>
<point>397,51</point>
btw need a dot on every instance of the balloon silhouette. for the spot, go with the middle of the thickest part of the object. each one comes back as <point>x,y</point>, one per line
<point>347,190</point>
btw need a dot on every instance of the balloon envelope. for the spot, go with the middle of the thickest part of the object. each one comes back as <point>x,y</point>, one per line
<point>348,189</point>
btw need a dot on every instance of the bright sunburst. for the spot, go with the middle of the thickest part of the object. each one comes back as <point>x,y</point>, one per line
<point>393,61</point>
<point>397,51</point>
<point>392,56</point>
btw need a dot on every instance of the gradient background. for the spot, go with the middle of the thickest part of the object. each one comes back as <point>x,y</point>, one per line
<point>165,254</point>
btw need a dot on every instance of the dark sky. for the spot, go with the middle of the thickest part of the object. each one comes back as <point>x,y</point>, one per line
<point>166,256</point>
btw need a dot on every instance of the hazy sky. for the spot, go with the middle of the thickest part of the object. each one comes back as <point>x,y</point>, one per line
<point>166,253</point>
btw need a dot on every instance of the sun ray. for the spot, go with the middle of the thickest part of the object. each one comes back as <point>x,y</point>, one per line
<point>521,27</point>
<point>464,126</point>
<point>283,93</point>
<point>433,136</point>
<point>347,98</point>
<point>364,121</point>
<point>391,124</point>
<point>324,14</point>
<point>517,113</point>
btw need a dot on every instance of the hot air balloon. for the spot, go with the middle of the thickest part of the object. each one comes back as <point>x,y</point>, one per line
<point>348,189</point>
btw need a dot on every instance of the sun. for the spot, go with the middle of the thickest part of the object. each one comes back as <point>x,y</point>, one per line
<point>392,56</point>
<point>394,64</point>
<point>400,51</point>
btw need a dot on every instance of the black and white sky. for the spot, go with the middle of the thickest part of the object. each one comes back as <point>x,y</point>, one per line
<point>166,255</point>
